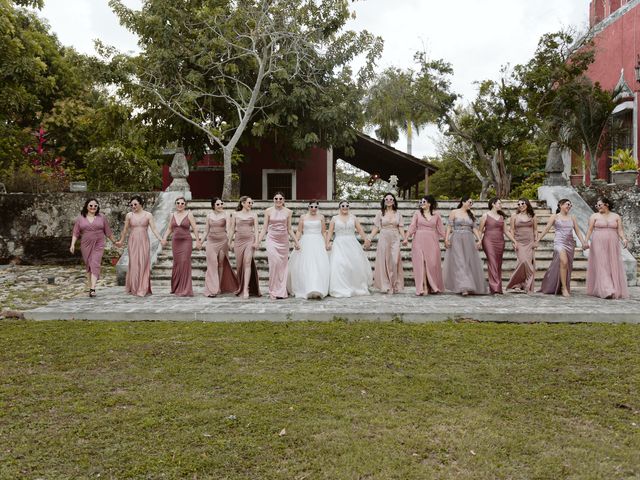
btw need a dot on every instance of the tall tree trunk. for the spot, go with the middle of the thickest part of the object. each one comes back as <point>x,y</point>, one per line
<point>485,188</point>
<point>501,178</point>
<point>226,184</point>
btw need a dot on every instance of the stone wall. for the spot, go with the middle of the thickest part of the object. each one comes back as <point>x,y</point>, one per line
<point>36,228</point>
<point>626,202</point>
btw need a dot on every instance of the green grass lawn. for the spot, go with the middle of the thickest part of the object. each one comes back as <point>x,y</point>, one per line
<point>319,400</point>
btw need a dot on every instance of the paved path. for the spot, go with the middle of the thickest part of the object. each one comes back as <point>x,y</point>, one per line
<point>113,304</point>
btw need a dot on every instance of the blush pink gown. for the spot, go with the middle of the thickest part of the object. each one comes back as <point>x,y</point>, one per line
<point>606,276</point>
<point>245,236</point>
<point>425,252</point>
<point>138,281</point>
<point>278,253</point>
<point>182,246</point>
<point>91,236</point>
<point>388,274</point>
<point>493,246</point>
<point>523,276</point>
<point>218,248</point>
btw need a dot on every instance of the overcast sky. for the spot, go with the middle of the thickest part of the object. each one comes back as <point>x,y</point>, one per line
<point>475,36</point>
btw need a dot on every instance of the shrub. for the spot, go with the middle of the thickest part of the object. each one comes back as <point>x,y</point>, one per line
<point>529,187</point>
<point>116,168</point>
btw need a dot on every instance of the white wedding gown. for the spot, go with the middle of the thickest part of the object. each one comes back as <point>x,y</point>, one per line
<point>309,266</point>
<point>350,269</point>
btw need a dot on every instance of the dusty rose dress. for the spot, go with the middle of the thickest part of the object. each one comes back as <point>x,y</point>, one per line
<point>493,246</point>
<point>182,246</point>
<point>138,281</point>
<point>606,276</point>
<point>563,241</point>
<point>462,264</point>
<point>245,236</point>
<point>388,274</point>
<point>218,250</point>
<point>278,253</point>
<point>425,252</point>
<point>91,236</point>
<point>523,276</point>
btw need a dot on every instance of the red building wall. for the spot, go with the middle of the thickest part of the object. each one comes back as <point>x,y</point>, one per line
<point>617,47</point>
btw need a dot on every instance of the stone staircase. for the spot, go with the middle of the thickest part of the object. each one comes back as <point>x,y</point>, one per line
<point>365,211</point>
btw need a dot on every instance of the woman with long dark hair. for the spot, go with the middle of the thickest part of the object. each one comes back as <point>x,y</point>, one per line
<point>388,275</point>
<point>493,229</point>
<point>139,221</point>
<point>277,227</point>
<point>606,276</point>
<point>91,227</point>
<point>426,229</point>
<point>220,277</point>
<point>462,265</point>
<point>557,279</point>
<point>244,239</point>
<point>524,228</point>
<point>181,224</point>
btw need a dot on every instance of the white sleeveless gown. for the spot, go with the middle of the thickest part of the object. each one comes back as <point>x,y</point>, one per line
<point>309,266</point>
<point>350,269</point>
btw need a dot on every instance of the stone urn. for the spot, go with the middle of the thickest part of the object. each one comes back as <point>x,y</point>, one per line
<point>624,178</point>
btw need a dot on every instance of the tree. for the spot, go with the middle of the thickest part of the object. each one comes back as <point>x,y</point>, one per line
<point>227,68</point>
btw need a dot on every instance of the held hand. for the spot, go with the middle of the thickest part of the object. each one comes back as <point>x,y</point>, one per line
<point>163,242</point>
<point>296,245</point>
<point>478,244</point>
<point>118,244</point>
<point>328,246</point>
<point>72,248</point>
<point>230,244</point>
<point>198,244</point>
<point>515,246</point>
<point>367,244</point>
<point>256,246</point>
<point>405,242</point>
<point>625,243</point>
<point>535,244</point>
<point>447,243</point>
<point>585,246</point>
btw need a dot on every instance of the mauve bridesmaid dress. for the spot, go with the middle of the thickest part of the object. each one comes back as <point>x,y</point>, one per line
<point>278,253</point>
<point>388,274</point>
<point>182,246</point>
<point>245,236</point>
<point>217,246</point>
<point>606,276</point>
<point>493,246</point>
<point>523,276</point>
<point>462,264</point>
<point>425,252</point>
<point>138,280</point>
<point>91,236</point>
<point>563,241</point>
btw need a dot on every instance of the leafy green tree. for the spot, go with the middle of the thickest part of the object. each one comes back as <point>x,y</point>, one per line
<point>271,68</point>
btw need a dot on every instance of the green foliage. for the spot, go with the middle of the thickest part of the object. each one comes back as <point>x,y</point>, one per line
<point>529,187</point>
<point>453,179</point>
<point>622,160</point>
<point>114,168</point>
<point>354,184</point>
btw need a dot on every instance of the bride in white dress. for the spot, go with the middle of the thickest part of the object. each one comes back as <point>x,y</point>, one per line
<point>309,266</point>
<point>350,269</point>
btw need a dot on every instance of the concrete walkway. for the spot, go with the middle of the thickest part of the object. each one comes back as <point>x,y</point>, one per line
<point>113,304</point>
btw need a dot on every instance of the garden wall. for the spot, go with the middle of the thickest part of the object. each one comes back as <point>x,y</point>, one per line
<point>36,228</point>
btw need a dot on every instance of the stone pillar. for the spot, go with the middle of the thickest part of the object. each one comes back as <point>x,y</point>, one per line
<point>554,167</point>
<point>179,171</point>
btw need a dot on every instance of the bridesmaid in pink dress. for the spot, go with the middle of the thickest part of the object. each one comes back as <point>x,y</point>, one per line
<point>180,225</point>
<point>388,274</point>
<point>277,226</point>
<point>557,279</point>
<point>524,228</point>
<point>427,229</point>
<point>244,227</point>
<point>220,277</point>
<point>138,280</point>
<point>493,229</point>
<point>606,276</point>
<point>91,227</point>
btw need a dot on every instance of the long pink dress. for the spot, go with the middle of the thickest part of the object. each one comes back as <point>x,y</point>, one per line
<point>245,236</point>
<point>217,247</point>
<point>278,253</point>
<point>523,276</point>
<point>563,241</point>
<point>182,247</point>
<point>388,274</point>
<point>425,252</point>
<point>138,281</point>
<point>493,246</point>
<point>91,236</point>
<point>606,276</point>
